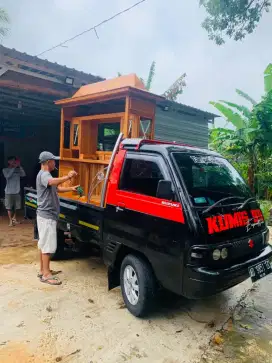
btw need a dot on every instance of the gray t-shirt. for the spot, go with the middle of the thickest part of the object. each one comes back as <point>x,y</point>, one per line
<point>13,176</point>
<point>47,197</point>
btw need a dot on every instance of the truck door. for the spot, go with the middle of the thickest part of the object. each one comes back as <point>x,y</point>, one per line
<point>138,219</point>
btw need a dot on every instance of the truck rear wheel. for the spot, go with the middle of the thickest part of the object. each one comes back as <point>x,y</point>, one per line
<point>137,284</point>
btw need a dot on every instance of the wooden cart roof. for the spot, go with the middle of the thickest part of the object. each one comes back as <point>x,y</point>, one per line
<point>110,89</point>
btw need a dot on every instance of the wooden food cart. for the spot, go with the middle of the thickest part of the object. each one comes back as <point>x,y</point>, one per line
<point>91,121</point>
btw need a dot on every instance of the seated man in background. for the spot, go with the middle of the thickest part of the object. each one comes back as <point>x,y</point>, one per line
<point>13,174</point>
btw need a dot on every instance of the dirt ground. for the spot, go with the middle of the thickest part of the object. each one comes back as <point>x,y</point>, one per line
<point>247,336</point>
<point>81,322</point>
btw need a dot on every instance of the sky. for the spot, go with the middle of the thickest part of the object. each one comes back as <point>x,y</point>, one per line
<point>168,32</point>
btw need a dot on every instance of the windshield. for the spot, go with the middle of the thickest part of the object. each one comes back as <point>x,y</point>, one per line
<point>210,178</point>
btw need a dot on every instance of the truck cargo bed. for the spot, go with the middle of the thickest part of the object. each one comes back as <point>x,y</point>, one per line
<point>84,221</point>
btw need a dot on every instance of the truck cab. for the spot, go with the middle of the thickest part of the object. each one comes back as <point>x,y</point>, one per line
<point>163,214</point>
<point>190,213</point>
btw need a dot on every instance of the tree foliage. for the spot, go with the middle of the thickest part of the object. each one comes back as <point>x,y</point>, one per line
<point>4,21</point>
<point>151,75</point>
<point>232,18</point>
<point>176,88</point>
<point>250,143</point>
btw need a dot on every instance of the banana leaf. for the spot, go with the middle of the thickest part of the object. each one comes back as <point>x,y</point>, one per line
<point>268,78</point>
<point>246,96</point>
<point>230,115</point>
<point>245,111</point>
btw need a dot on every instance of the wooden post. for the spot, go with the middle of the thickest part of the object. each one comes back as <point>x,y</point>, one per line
<point>152,133</point>
<point>135,126</point>
<point>126,118</point>
<point>61,132</point>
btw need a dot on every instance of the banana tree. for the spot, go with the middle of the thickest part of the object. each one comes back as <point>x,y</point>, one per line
<point>151,74</point>
<point>172,92</point>
<point>252,134</point>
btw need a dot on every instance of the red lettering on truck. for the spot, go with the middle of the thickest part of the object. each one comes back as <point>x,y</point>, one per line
<point>224,222</point>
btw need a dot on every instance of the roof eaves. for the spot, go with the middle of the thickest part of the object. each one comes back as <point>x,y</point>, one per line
<point>177,105</point>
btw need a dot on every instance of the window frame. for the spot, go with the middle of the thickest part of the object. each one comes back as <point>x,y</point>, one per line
<point>157,159</point>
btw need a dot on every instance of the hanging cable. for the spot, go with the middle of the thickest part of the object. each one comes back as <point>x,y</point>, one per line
<point>92,28</point>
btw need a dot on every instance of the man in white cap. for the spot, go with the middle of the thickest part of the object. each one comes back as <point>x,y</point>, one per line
<point>48,212</point>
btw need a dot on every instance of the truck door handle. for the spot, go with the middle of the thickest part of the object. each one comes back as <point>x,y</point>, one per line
<point>120,207</point>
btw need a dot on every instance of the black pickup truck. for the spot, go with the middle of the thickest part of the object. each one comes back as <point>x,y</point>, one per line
<point>171,216</point>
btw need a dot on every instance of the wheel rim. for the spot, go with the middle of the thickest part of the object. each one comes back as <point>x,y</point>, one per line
<point>131,285</point>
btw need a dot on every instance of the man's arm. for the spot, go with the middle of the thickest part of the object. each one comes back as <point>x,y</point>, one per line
<point>70,189</point>
<point>58,181</point>
<point>22,172</point>
<point>48,180</point>
<point>8,172</point>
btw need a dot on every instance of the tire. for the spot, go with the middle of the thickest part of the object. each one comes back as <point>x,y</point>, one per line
<point>59,254</point>
<point>134,272</point>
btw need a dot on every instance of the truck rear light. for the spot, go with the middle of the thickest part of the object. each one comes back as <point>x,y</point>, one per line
<point>216,255</point>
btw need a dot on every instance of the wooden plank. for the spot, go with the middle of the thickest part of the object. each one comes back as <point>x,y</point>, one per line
<point>61,132</point>
<point>135,126</point>
<point>141,107</point>
<point>110,95</point>
<point>93,127</point>
<point>87,161</point>
<point>125,124</point>
<point>100,117</point>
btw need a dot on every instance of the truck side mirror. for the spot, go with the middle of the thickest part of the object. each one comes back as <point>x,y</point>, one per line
<point>164,190</point>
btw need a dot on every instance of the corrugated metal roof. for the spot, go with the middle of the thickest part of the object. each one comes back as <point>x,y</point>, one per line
<point>180,107</point>
<point>24,57</point>
<point>189,129</point>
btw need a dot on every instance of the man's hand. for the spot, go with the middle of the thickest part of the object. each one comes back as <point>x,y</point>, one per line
<point>68,189</point>
<point>72,174</point>
<point>74,189</point>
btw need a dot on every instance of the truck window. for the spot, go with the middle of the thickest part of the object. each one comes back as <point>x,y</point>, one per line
<point>141,176</point>
<point>210,178</point>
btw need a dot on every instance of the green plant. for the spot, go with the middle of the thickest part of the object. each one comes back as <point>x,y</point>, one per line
<point>172,92</point>
<point>265,207</point>
<point>151,75</point>
<point>251,138</point>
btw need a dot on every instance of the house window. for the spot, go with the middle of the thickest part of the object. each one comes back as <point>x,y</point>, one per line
<point>141,177</point>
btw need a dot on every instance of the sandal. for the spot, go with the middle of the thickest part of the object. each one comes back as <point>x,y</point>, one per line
<point>51,278</point>
<point>15,222</point>
<point>53,273</point>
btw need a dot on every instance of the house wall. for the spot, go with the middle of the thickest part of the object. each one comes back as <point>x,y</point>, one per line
<point>26,140</point>
<point>182,127</point>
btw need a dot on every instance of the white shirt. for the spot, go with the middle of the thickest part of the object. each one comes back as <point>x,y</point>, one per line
<point>13,176</point>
